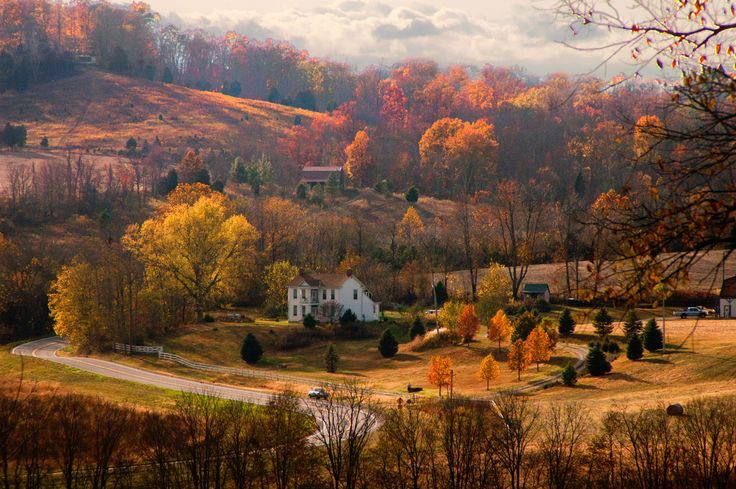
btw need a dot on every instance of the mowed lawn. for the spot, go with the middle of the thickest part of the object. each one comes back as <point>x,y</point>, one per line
<point>45,377</point>
<point>681,375</point>
<point>219,344</point>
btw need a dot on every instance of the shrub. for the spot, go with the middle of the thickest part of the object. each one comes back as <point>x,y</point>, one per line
<point>652,336</point>
<point>632,323</point>
<point>412,194</point>
<point>208,319</point>
<point>417,328</point>
<point>596,361</point>
<point>348,317</point>
<point>569,376</point>
<point>610,347</point>
<point>635,348</point>
<point>603,322</point>
<point>542,305</point>
<point>301,192</point>
<point>251,351</point>
<point>432,341</point>
<point>131,144</point>
<point>566,324</point>
<point>525,324</point>
<point>303,338</point>
<point>352,331</point>
<point>309,321</point>
<point>441,292</point>
<point>44,142</point>
<point>387,345</point>
<point>331,359</point>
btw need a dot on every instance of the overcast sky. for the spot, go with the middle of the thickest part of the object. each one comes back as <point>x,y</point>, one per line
<point>361,32</point>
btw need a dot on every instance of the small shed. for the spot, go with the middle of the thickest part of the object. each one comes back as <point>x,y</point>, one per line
<point>536,291</point>
<point>727,300</point>
<point>313,175</point>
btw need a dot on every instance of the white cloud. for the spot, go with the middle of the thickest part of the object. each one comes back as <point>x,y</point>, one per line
<point>363,32</point>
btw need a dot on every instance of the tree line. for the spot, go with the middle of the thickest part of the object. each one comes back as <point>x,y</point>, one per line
<point>205,442</point>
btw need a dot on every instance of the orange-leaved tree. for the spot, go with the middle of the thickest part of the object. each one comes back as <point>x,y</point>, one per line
<point>539,345</point>
<point>468,323</point>
<point>488,370</point>
<point>439,371</point>
<point>519,357</point>
<point>499,327</point>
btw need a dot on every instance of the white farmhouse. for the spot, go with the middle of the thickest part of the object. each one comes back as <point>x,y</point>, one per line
<point>308,291</point>
<point>728,298</point>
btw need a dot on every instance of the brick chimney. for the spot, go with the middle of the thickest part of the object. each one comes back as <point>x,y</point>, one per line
<point>349,272</point>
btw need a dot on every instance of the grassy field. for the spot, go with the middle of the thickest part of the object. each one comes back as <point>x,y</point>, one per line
<point>47,377</point>
<point>681,375</point>
<point>219,343</point>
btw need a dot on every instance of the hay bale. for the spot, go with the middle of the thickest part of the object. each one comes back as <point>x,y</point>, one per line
<point>675,410</point>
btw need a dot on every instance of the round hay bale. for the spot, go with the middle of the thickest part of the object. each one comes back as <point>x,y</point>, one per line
<point>675,410</point>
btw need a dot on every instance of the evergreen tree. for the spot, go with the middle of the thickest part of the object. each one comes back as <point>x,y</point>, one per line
<point>274,95</point>
<point>596,361</point>
<point>119,61</point>
<point>652,336</point>
<point>333,184</point>
<point>251,351</point>
<point>238,171</point>
<point>566,324</point>
<point>305,99</point>
<point>168,76</point>
<point>412,195</point>
<point>131,144</point>
<point>309,321</point>
<point>417,328</point>
<point>301,192</point>
<point>525,324</point>
<point>441,292</point>
<point>298,120</point>
<point>634,349</point>
<point>202,176</point>
<point>348,317</point>
<point>603,322</point>
<point>569,376</point>
<point>387,345</point>
<point>44,142</point>
<point>169,182</point>
<point>331,359</point>
<point>632,323</point>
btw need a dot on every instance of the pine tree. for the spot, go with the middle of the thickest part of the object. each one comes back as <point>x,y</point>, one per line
<point>525,324</point>
<point>603,322</point>
<point>331,359</point>
<point>417,328</point>
<point>596,361</point>
<point>387,345</point>
<point>167,76</point>
<point>632,323</point>
<point>440,292</point>
<point>566,324</point>
<point>412,195</point>
<point>635,349</point>
<point>652,336</point>
<point>569,376</point>
<point>251,351</point>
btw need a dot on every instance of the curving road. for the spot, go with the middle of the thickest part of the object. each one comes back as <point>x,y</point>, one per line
<point>48,348</point>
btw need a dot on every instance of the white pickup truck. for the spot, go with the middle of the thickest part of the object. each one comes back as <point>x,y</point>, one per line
<point>694,312</point>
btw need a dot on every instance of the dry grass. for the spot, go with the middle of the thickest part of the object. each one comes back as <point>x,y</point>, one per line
<point>679,376</point>
<point>101,110</point>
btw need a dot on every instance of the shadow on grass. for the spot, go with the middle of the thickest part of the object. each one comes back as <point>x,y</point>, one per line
<point>657,360</point>
<point>582,387</point>
<point>406,357</point>
<point>625,378</point>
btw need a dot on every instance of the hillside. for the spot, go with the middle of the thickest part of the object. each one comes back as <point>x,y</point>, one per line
<point>101,111</point>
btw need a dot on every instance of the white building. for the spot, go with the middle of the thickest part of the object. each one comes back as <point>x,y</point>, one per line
<point>728,298</point>
<point>308,291</point>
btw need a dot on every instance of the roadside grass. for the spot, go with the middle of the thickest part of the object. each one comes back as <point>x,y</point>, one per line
<point>657,379</point>
<point>49,378</point>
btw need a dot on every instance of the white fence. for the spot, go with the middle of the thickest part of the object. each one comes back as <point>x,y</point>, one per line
<point>242,372</point>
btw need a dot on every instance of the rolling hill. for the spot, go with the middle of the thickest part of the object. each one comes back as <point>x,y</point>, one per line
<point>100,111</point>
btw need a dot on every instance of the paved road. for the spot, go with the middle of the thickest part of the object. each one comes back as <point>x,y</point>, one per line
<point>48,348</point>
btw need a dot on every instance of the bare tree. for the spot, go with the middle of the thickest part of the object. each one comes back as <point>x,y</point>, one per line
<point>518,426</point>
<point>562,443</point>
<point>288,427</point>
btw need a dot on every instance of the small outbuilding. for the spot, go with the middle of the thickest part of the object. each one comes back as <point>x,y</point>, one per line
<point>314,175</point>
<point>535,291</point>
<point>727,300</point>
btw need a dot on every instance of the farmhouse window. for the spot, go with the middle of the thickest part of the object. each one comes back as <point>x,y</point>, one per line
<point>355,294</point>
<point>294,293</point>
<point>332,294</point>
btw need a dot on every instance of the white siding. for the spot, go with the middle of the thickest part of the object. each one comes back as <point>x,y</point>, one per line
<point>363,306</point>
<point>727,308</point>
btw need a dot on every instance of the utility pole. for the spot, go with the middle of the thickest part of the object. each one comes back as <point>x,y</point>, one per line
<point>452,382</point>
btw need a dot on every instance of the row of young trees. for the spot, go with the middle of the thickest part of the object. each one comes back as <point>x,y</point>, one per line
<point>205,442</point>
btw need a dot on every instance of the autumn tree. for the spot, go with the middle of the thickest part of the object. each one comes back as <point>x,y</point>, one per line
<point>191,168</point>
<point>468,323</point>
<point>499,327</point>
<point>539,345</point>
<point>276,279</point>
<point>519,357</point>
<point>439,372</point>
<point>494,290</point>
<point>489,370</point>
<point>411,226</point>
<point>458,155</point>
<point>449,315</point>
<point>194,247</point>
<point>360,165</point>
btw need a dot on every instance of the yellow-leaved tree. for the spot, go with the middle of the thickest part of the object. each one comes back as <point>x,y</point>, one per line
<point>439,371</point>
<point>494,290</point>
<point>276,279</point>
<point>411,226</point>
<point>198,248</point>
<point>488,370</point>
<point>499,327</point>
<point>519,357</point>
<point>539,346</point>
<point>450,314</point>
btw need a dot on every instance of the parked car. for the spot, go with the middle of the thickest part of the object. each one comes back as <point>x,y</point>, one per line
<point>692,312</point>
<point>318,393</point>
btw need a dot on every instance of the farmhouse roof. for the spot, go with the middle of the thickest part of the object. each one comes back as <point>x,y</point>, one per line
<point>728,288</point>
<point>319,174</point>
<point>329,280</point>
<point>536,288</point>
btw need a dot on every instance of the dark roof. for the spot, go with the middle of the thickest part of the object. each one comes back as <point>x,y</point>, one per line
<point>536,288</point>
<point>728,288</point>
<point>330,280</point>
<point>319,174</point>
